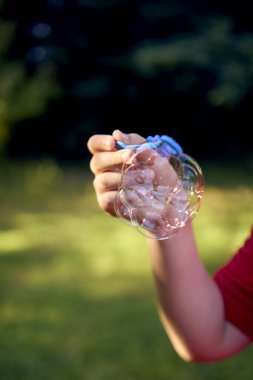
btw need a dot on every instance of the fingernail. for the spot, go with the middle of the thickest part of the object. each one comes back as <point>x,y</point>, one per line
<point>125,136</point>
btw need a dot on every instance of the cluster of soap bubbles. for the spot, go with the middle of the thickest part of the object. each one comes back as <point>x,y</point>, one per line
<point>160,188</point>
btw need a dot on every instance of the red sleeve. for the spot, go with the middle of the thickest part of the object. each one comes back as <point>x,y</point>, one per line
<point>235,281</point>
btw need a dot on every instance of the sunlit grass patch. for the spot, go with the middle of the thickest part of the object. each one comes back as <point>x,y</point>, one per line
<point>77,299</point>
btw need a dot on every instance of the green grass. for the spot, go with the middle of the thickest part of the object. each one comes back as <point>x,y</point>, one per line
<point>77,298</point>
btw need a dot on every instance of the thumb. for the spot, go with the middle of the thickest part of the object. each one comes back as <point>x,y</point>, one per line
<point>131,138</point>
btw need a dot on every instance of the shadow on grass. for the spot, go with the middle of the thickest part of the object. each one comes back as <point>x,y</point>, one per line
<point>75,325</point>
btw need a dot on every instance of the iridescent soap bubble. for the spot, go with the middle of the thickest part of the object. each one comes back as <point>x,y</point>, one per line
<point>160,190</point>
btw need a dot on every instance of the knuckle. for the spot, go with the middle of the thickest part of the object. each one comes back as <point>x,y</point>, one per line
<point>93,164</point>
<point>102,183</point>
<point>105,202</point>
<point>97,184</point>
<point>90,143</point>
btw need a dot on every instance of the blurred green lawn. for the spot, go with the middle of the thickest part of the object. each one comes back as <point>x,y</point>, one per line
<point>77,299</point>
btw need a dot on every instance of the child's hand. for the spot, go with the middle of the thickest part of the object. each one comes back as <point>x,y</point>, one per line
<point>106,165</point>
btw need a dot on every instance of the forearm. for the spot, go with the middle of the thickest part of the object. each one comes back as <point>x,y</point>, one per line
<point>190,303</point>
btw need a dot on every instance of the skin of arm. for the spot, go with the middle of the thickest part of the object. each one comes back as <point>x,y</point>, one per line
<point>189,301</point>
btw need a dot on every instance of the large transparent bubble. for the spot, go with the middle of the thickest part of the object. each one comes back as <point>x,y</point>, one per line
<point>159,192</point>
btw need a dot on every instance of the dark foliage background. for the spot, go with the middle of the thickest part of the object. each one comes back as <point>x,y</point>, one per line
<point>72,68</point>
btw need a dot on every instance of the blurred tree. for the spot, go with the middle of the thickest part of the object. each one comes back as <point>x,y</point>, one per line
<point>21,96</point>
<point>213,48</point>
<point>169,66</point>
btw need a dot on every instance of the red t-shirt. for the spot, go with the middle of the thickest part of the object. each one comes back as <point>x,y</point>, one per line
<point>235,280</point>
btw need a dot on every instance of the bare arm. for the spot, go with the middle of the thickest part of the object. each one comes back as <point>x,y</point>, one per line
<point>190,303</point>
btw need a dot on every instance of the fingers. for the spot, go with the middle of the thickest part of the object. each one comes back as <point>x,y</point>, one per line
<point>106,143</point>
<point>106,182</point>
<point>131,138</point>
<point>101,143</point>
<point>106,202</point>
<point>103,161</point>
<point>106,164</point>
